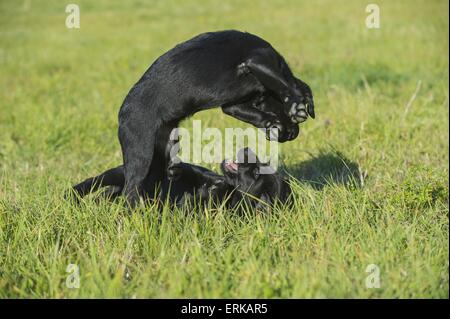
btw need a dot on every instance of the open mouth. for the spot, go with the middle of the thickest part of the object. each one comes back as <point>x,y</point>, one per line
<point>230,166</point>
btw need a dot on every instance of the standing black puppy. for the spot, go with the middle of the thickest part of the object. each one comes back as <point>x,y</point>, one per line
<point>230,69</point>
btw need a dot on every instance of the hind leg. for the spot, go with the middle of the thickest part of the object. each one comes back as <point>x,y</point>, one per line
<point>137,134</point>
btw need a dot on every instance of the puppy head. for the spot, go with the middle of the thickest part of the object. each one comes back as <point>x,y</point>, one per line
<point>249,176</point>
<point>244,172</point>
<point>247,173</point>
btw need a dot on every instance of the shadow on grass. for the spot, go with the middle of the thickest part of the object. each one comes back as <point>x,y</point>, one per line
<point>328,168</point>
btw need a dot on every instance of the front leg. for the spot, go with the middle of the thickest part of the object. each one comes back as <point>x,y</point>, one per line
<point>273,72</point>
<point>246,112</point>
<point>268,104</point>
<point>194,175</point>
<point>205,183</point>
<point>216,193</point>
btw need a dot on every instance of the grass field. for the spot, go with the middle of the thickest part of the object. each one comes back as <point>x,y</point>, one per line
<point>370,174</point>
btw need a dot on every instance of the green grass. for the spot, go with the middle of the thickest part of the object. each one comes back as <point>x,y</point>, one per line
<point>370,174</point>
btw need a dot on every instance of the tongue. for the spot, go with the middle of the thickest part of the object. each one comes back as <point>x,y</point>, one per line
<point>233,166</point>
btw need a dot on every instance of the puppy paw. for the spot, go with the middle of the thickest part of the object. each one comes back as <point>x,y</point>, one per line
<point>291,132</point>
<point>274,128</point>
<point>299,106</point>
<point>174,171</point>
<point>217,186</point>
<point>297,111</point>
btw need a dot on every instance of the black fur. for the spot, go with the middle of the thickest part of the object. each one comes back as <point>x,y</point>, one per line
<point>187,184</point>
<point>234,70</point>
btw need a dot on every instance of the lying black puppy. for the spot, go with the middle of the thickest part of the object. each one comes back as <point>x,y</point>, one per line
<point>234,70</point>
<point>242,182</point>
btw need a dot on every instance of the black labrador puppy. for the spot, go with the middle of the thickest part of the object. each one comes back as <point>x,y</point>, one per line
<point>235,70</point>
<point>242,182</point>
